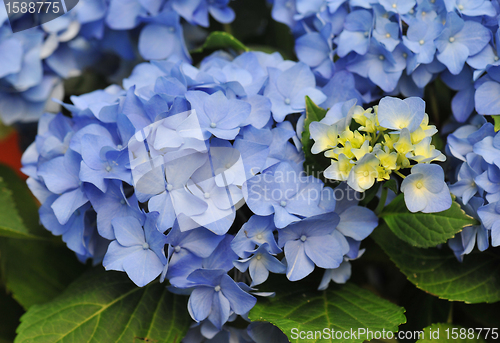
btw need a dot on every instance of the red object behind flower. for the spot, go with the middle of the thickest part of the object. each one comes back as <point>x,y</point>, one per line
<point>10,154</point>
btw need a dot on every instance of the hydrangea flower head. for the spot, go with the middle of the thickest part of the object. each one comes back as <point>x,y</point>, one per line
<point>374,151</point>
<point>151,178</point>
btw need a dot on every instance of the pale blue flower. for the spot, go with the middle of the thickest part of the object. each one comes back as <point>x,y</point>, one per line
<point>425,190</point>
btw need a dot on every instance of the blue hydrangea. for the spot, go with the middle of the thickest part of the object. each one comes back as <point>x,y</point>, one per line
<point>476,183</point>
<point>395,47</point>
<point>35,62</point>
<point>185,173</point>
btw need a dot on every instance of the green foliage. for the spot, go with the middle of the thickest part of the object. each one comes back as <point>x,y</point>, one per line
<point>221,40</point>
<point>5,131</point>
<point>392,185</point>
<point>437,271</point>
<point>36,271</point>
<point>313,164</point>
<point>14,196</point>
<point>35,267</point>
<point>11,224</point>
<point>107,307</point>
<point>342,309</point>
<point>496,120</point>
<point>443,333</point>
<point>425,229</point>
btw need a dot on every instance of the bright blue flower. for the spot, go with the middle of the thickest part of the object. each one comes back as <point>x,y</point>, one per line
<point>459,40</point>
<point>379,65</point>
<point>254,233</point>
<point>462,103</point>
<point>260,264</point>
<point>489,181</point>
<point>286,193</point>
<point>488,88</point>
<point>340,88</point>
<point>312,241</point>
<point>196,11</point>
<point>245,71</point>
<point>137,251</point>
<point>102,161</point>
<point>218,115</point>
<point>398,6</point>
<point>287,90</point>
<point>72,231</point>
<point>356,34</point>
<point>61,176</point>
<point>356,222</point>
<point>420,39</point>
<point>425,190</point>
<point>338,275</point>
<point>200,242</point>
<point>10,63</point>
<point>124,15</point>
<point>167,187</point>
<point>387,33</point>
<point>466,186</point>
<point>315,50</point>
<point>486,57</point>
<point>461,142</point>
<point>167,26</point>
<point>111,204</point>
<point>183,263</point>
<point>283,12</point>
<point>216,297</point>
<point>465,241</point>
<point>471,7</point>
<point>489,149</point>
<point>490,217</point>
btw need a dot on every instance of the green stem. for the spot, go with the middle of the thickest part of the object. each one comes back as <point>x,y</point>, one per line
<point>383,198</point>
<point>434,105</point>
<point>398,173</point>
<point>227,28</point>
<point>376,138</point>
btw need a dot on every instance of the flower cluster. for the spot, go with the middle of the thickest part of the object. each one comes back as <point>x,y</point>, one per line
<point>187,173</point>
<point>477,186</point>
<point>388,137</point>
<point>400,46</point>
<point>35,61</point>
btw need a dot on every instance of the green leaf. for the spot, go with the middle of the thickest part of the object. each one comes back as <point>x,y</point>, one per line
<point>107,307</point>
<point>342,309</point>
<point>18,210</point>
<point>36,271</point>
<point>392,185</point>
<point>221,40</point>
<point>437,271</point>
<point>496,119</point>
<point>369,194</point>
<point>442,333</point>
<point>5,130</point>
<point>11,224</point>
<point>313,164</point>
<point>425,229</point>
<point>37,267</point>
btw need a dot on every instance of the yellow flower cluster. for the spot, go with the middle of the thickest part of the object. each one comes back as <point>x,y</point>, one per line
<point>371,152</point>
